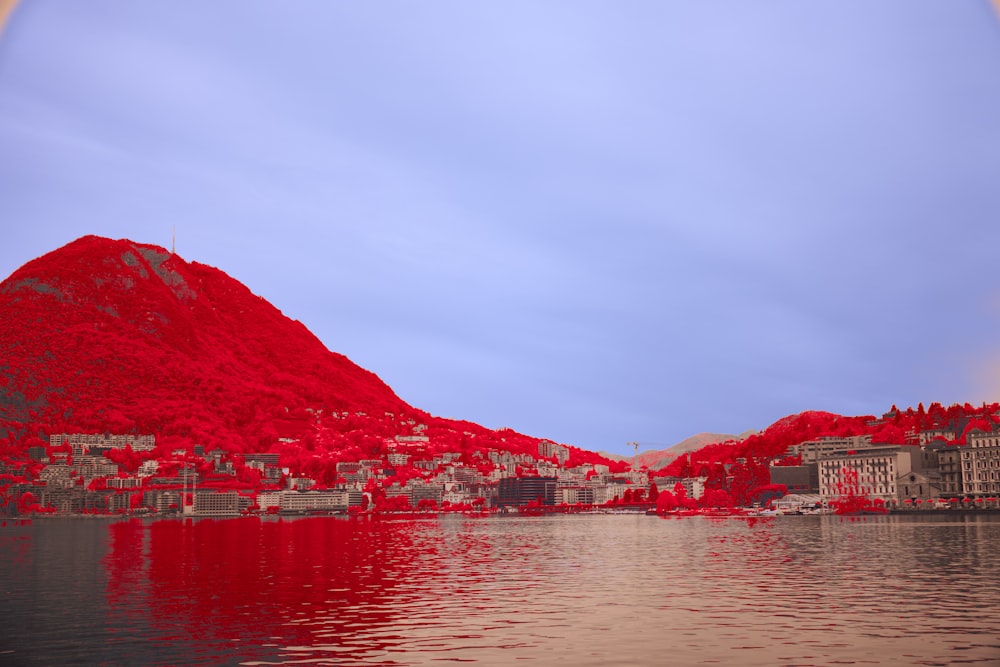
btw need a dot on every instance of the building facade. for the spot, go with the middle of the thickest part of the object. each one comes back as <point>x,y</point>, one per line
<point>981,464</point>
<point>519,491</point>
<point>873,472</point>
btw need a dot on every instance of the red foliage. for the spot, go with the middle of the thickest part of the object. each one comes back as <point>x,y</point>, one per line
<point>716,498</point>
<point>851,499</point>
<point>115,336</point>
<point>165,346</point>
<point>665,502</point>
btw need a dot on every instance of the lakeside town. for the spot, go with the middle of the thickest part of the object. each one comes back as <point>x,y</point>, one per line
<point>114,474</point>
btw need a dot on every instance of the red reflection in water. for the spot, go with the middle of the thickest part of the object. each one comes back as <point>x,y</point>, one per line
<point>243,583</point>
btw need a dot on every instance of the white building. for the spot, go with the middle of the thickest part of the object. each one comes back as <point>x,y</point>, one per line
<point>812,451</point>
<point>877,472</point>
<point>311,501</point>
<point>981,464</point>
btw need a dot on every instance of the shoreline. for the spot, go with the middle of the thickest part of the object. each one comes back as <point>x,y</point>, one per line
<point>737,513</point>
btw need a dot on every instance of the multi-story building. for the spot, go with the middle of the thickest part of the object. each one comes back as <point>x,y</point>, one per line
<point>949,466</point>
<point>139,443</point>
<point>432,492</point>
<point>265,458</point>
<point>883,472</point>
<point>548,450</point>
<point>90,467</point>
<point>397,490</point>
<point>57,475</point>
<point>519,491</point>
<point>398,459</point>
<point>803,479</point>
<point>123,483</point>
<point>313,501</point>
<point>812,451</point>
<point>981,464</point>
<point>269,499</point>
<point>148,468</point>
<point>301,483</point>
<point>926,437</point>
<point>412,439</point>
<point>573,494</point>
<point>162,500</point>
<point>694,487</point>
<point>217,503</point>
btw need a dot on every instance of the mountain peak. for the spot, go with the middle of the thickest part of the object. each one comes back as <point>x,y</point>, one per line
<point>113,334</point>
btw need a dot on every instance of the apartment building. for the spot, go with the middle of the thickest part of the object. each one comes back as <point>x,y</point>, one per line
<point>891,473</point>
<point>812,451</point>
<point>981,464</point>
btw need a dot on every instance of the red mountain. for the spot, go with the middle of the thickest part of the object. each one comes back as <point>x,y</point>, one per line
<point>116,336</point>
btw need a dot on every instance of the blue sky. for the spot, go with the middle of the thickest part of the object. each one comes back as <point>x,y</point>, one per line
<point>596,222</point>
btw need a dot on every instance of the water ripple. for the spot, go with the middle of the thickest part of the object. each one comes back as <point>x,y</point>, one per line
<point>564,590</point>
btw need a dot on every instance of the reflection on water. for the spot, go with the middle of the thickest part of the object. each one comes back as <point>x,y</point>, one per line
<point>572,590</point>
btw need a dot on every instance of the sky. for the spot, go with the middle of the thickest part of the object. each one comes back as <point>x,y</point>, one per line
<point>595,222</point>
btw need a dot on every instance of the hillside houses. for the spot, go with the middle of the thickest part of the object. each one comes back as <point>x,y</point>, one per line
<point>119,473</point>
<point>83,473</point>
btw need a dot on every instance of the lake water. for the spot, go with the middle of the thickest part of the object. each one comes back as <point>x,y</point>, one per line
<point>556,590</point>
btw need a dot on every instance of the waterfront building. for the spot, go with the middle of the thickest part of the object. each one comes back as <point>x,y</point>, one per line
<point>432,492</point>
<point>519,491</point>
<point>313,501</point>
<point>694,487</point>
<point>75,499</point>
<point>397,490</point>
<point>919,485</point>
<point>803,479</point>
<point>949,467</point>
<point>892,473</point>
<point>269,499</point>
<point>573,494</point>
<point>981,464</point>
<point>217,503</point>
<point>162,500</point>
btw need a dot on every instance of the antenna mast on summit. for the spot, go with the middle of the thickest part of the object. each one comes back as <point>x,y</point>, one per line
<point>173,241</point>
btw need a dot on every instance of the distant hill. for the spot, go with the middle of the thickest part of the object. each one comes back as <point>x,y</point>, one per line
<point>656,459</point>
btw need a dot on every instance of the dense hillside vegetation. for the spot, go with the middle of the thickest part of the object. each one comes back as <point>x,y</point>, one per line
<point>114,336</point>
<point>741,467</point>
